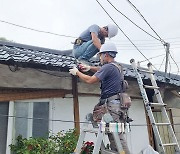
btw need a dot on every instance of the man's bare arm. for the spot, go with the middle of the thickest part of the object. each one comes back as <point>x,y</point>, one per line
<point>87,78</point>
<point>96,40</point>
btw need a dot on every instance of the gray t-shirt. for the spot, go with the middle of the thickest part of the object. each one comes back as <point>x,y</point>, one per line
<point>86,35</point>
<point>111,82</point>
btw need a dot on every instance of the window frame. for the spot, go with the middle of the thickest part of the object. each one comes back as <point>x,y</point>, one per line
<point>11,120</point>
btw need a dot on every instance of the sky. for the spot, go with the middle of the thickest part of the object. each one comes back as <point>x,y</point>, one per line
<point>68,18</point>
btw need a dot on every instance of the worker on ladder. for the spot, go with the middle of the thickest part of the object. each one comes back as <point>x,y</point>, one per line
<point>109,76</point>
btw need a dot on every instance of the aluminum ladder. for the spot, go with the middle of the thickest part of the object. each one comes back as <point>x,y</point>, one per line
<point>100,131</point>
<point>159,105</point>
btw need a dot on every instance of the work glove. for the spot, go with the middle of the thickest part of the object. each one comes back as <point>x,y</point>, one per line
<point>73,71</point>
<point>84,67</point>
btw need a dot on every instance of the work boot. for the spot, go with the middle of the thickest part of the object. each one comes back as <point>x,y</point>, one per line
<point>128,120</point>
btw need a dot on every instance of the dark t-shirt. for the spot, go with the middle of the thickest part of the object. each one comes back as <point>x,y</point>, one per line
<point>110,78</point>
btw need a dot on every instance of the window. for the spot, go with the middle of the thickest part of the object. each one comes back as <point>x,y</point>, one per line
<point>40,127</point>
<point>31,119</point>
<point>4,107</point>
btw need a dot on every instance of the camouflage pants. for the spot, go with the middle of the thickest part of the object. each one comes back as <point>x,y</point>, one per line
<point>118,115</point>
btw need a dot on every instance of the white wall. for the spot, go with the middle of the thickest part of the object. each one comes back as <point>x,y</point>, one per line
<point>63,109</point>
<point>176,121</point>
<point>138,137</point>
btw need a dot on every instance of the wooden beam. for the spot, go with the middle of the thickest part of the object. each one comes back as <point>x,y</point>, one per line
<point>12,95</point>
<point>150,130</point>
<point>75,104</point>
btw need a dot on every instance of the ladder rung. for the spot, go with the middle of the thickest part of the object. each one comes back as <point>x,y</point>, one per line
<point>90,130</point>
<point>156,104</point>
<point>161,124</point>
<point>145,71</point>
<point>150,87</point>
<point>170,144</point>
<point>106,151</point>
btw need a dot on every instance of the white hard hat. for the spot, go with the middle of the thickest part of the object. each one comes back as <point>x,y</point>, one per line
<point>108,47</point>
<point>112,30</point>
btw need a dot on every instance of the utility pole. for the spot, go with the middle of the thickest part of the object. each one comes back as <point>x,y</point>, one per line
<point>167,45</point>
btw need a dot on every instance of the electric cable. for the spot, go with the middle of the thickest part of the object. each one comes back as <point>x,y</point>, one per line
<point>147,41</point>
<point>150,45</point>
<point>152,58</point>
<point>134,7</point>
<point>65,121</point>
<point>126,35</point>
<point>175,64</point>
<point>10,23</point>
<point>122,31</point>
<point>53,74</point>
<point>162,62</point>
<point>132,21</point>
<point>41,31</point>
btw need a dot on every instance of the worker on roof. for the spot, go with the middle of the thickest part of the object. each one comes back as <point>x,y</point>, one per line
<point>111,85</point>
<point>89,42</point>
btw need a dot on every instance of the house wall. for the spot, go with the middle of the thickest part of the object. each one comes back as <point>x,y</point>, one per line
<point>34,78</point>
<point>176,121</point>
<point>172,99</point>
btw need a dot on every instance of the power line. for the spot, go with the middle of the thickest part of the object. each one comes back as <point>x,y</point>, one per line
<point>127,36</point>
<point>121,29</point>
<point>152,58</point>
<point>175,63</point>
<point>170,63</point>
<point>164,43</point>
<point>162,62</point>
<point>41,31</point>
<point>10,23</point>
<point>132,21</point>
<point>53,74</point>
<point>145,44</point>
<point>129,48</point>
<point>65,121</point>
<point>134,7</point>
<point>147,41</point>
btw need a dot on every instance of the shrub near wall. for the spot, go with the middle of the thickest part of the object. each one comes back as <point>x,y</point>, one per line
<point>61,143</point>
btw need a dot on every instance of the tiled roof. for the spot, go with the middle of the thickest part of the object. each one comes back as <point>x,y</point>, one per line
<point>35,57</point>
<point>173,79</point>
<point>43,58</point>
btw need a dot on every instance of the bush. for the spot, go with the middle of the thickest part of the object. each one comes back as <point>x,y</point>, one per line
<point>66,141</point>
<point>62,142</point>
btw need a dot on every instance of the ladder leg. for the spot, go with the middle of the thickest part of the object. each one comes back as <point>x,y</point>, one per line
<point>80,143</point>
<point>98,142</point>
<point>81,139</point>
<point>118,143</point>
<point>89,117</point>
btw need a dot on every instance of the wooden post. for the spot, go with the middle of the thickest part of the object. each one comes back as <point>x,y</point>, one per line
<point>76,103</point>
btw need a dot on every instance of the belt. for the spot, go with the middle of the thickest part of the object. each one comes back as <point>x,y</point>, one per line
<point>79,41</point>
<point>111,98</point>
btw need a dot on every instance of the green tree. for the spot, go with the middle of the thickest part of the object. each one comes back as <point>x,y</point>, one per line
<point>4,39</point>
